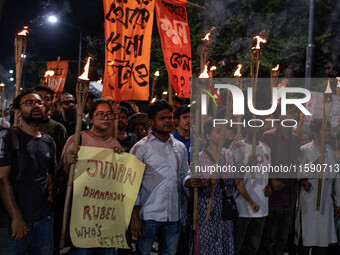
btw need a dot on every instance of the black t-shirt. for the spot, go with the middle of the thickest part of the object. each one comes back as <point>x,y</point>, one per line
<point>128,141</point>
<point>29,173</point>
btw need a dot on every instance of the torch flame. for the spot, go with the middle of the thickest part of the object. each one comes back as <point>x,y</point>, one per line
<point>24,32</point>
<point>237,72</point>
<point>213,68</point>
<point>206,37</point>
<point>85,75</point>
<point>328,89</point>
<point>100,81</point>
<point>156,73</point>
<point>259,41</point>
<point>2,84</point>
<point>153,100</point>
<point>205,73</point>
<point>165,92</point>
<point>276,68</point>
<point>49,73</point>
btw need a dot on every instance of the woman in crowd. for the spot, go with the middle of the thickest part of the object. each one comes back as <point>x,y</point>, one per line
<point>214,236</point>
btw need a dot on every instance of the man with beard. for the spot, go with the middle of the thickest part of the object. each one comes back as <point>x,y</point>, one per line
<point>127,140</point>
<point>27,161</point>
<point>49,126</point>
<point>68,115</point>
<point>157,207</point>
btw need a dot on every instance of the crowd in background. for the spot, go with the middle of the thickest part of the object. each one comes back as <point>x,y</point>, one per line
<point>274,215</point>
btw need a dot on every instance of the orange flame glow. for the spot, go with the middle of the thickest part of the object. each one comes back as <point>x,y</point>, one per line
<point>238,71</point>
<point>49,73</point>
<point>2,84</point>
<point>206,37</point>
<point>205,73</point>
<point>100,81</point>
<point>165,92</point>
<point>153,100</point>
<point>156,73</point>
<point>213,68</point>
<point>328,89</point>
<point>259,41</point>
<point>24,32</point>
<point>85,75</point>
<point>276,68</point>
<point>110,63</point>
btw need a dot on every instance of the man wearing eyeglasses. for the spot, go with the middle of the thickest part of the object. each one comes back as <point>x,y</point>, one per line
<point>101,117</point>
<point>68,115</point>
<point>27,161</point>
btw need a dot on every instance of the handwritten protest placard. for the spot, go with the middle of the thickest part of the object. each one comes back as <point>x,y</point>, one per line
<point>128,33</point>
<point>105,189</point>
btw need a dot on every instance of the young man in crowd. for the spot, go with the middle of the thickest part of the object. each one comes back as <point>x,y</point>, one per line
<point>284,146</point>
<point>182,123</point>
<point>49,126</point>
<point>126,139</point>
<point>27,160</point>
<point>314,227</point>
<point>252,190</point>
<point>101,118</point>
<point>157,207</point>
<point>68,115</point>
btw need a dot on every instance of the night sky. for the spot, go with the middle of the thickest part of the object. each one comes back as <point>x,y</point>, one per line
<point>48,41</point>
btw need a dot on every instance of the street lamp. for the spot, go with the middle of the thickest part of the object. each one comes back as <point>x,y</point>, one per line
<point>53,19</point>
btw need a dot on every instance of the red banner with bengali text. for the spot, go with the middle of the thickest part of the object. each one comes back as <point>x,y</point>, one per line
<point>128,34</point>
<point>57,81</point>
<point>172,22</point>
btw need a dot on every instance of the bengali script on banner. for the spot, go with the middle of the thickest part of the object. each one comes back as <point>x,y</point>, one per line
<point>57,81</point>
<point>105,189</point>
<point>128,33</point>
<point>172,21</point>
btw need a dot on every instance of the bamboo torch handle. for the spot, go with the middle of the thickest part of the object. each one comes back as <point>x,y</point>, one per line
<point>212,194</point>
<point>81,99</point>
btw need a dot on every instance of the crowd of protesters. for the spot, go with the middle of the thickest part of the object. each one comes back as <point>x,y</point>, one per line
<point>266,214</point>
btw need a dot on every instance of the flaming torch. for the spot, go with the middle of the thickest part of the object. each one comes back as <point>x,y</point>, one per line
<point>48,74</point>
<point>338,87</point>
<point>218,153</point>
<point>2,93</point>
<point>274,75</point>
<point>20,44</point>
<point>82,90</point>
<point>255,57</point>
<point>327,98</point>
<point>204,48</point>
<point>238,81</point>
<point>203,75</point>
<point>155,79</point>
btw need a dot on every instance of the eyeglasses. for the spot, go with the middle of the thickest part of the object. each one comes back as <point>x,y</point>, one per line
<point>102,115</point>
<point>31,103</point>
<point>69,102</point>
